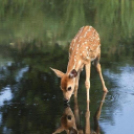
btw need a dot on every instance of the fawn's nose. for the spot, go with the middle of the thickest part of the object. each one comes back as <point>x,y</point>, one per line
<point>66,101</point>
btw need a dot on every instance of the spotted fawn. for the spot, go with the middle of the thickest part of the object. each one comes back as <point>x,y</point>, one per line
<point>84,49</point>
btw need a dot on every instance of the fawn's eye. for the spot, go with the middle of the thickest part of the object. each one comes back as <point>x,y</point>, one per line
<point>69,117</point>
<point>69,89</point>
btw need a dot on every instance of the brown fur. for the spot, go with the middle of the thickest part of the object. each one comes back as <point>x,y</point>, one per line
<point>64,83</point>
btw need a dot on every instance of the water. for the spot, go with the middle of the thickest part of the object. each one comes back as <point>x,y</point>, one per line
<point>35,36</point>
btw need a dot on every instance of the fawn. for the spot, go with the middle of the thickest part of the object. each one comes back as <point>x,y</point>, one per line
<point>84,49</point>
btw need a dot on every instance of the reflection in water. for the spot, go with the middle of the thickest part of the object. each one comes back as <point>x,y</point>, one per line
<point>124,80</point>
<point>20,73</point>
<point>36,94</point>
<point>5,95</point>
<point>70,122</point>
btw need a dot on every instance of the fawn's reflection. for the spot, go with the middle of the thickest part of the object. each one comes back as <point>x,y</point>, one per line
<point>70,122</point>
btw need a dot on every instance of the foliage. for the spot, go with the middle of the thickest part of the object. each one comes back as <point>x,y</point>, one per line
<point>60,20</point>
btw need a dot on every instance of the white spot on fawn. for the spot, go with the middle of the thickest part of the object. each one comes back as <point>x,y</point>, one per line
<point>85,34</point>
<point>87,57</point>
<point>89,28</point>
<point>79,62</point>
<point>98,38</point>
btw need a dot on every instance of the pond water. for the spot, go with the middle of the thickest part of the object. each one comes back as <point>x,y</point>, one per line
<point>35,36</point>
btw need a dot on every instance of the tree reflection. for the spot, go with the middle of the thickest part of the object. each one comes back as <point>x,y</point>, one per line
<point>33,88</point>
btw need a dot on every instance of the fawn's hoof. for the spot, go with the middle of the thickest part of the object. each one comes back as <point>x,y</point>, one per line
<point>105,89</point>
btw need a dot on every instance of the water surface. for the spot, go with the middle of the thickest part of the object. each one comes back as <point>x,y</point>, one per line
<point>35,36</point>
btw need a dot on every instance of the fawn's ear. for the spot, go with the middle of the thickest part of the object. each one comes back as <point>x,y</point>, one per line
<point>73,73</point>
<point>57,72</point>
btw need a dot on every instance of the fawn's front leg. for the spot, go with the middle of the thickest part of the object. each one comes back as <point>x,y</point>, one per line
<point>87,82</point>
<point>76,84</point>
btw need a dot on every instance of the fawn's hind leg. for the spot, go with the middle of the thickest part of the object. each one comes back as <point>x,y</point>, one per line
<point>98,67</point>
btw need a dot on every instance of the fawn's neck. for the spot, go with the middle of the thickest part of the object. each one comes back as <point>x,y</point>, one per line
<point>75,62</point>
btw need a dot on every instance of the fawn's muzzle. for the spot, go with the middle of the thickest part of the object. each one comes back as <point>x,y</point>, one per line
<point>66,101</point>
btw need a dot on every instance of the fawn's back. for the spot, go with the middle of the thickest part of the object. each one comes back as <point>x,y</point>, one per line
<point>85,42</point>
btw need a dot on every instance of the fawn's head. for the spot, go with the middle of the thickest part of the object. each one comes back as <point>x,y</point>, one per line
<point>67,84</point>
